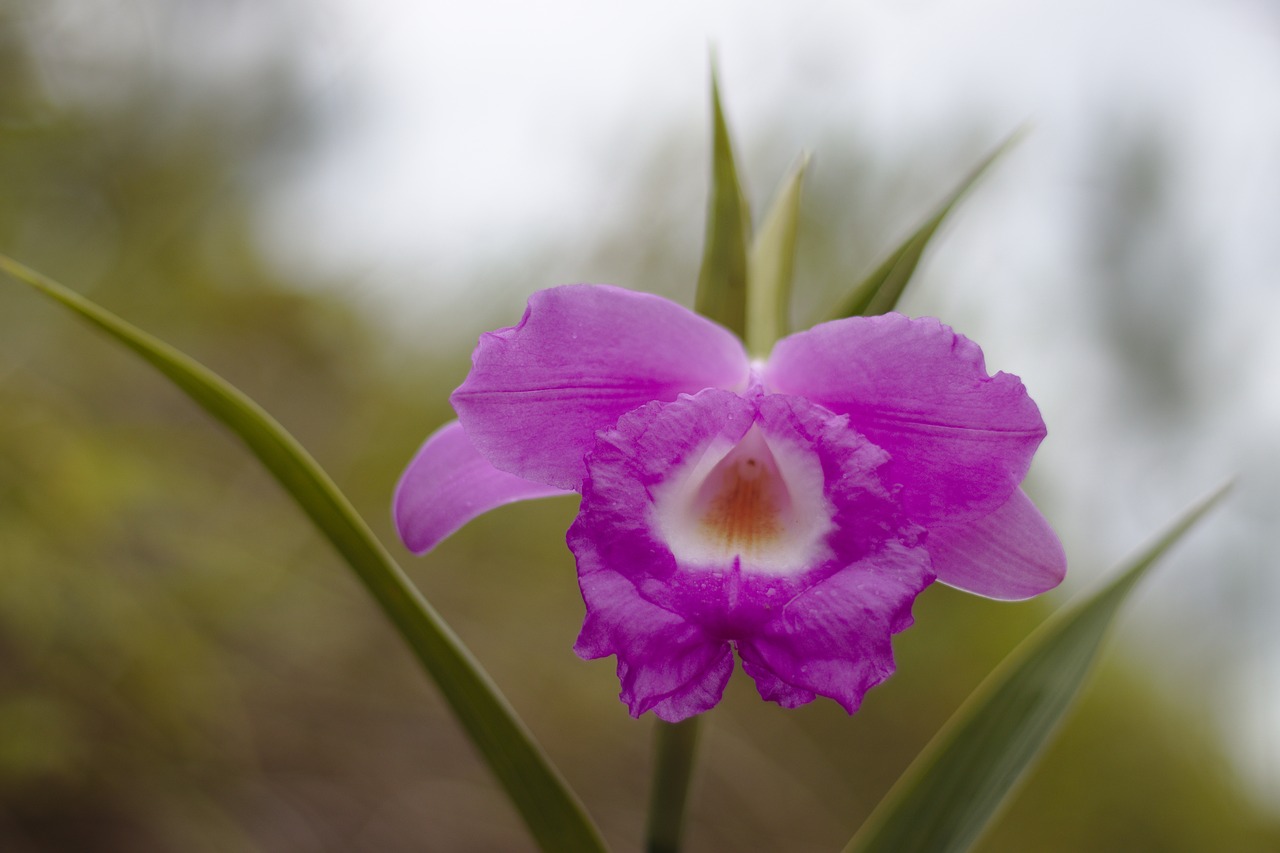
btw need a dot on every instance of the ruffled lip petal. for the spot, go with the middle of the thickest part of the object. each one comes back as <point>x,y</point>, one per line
<point>447,484</point>
<point>813,620</point>
<point>773,689</point>
<point>665,664</point>
<point>1010,554</point>
<point>960,440</point>
<point>833,639</point>
<point>582,356</point>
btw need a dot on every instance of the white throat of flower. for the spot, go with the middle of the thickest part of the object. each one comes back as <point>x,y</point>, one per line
<point>759,500</point>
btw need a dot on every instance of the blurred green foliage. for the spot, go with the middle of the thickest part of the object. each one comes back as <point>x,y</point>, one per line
<point>184,666</point>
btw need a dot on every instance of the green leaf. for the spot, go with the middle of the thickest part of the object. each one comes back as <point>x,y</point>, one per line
<point>674,749</point>
<point>722,281</point>
<point>954,787</point>
<point>880,291</point>
<point>770,267</point>
<point>550,809</point>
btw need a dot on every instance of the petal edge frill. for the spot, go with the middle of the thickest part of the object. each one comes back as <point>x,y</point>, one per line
<point>1010,554</point>
<point>447,484</point>
<point>834,639</point>
<point>582,356</point>
<point>665,663</point>
<point>960,440</point>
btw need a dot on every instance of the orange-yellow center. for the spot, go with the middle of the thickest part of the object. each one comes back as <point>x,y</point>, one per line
<point>743,514</point>
<point>759,505</point>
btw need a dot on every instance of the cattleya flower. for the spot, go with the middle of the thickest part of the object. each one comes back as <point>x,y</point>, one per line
<point>790,509</point>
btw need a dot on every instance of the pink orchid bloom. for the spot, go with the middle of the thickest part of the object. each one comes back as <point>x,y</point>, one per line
<point>791,509</point>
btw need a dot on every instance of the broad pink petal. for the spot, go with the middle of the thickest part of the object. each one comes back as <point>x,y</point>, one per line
<point>447,484</point>
<point>581,357</point>
<point>1010,554</point>
<point>960,441</point>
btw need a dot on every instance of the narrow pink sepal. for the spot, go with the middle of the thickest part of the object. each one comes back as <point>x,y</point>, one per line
<point>582,356</point>
<point>1010,554</point>
<point>447,484</point>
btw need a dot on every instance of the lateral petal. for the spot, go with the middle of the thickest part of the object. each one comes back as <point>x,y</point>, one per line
<point>960,440</point>
<point>447,484</point>
<point>581,357</point>
<point>1010,554</point>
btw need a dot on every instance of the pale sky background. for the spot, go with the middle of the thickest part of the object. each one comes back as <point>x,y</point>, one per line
<point>472,133</point>
<point>464,137</point>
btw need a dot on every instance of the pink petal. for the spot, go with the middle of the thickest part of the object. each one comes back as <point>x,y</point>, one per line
<point>665,663</point>
<point>581,357</point>
<point>961,441</point>
<point>447,484</point>
<point>1010,554</point>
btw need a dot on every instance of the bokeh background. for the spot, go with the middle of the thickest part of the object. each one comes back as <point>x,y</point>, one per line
<point>326,202</point>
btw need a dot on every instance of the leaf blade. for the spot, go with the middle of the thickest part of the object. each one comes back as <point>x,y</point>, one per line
<point>722,278</point>
<point>550,809</point>
<point>949,794</point>
<point>880,291</point>
<point>771,265</point>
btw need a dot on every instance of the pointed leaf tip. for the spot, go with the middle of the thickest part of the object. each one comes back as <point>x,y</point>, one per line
<point>957,784</point>
<point>880,291</point>
<point>722,280</point>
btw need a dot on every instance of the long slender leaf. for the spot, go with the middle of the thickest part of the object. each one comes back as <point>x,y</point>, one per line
<point>550,809</point>
<point>956,785</point>
<point>880,291</point>
<point>770,267</point>
<point>722,281</point>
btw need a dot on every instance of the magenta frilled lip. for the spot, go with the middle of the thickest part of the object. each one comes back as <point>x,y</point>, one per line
<point>791,510</point>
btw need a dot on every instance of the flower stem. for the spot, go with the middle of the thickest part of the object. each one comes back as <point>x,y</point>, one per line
<point>674,747</point>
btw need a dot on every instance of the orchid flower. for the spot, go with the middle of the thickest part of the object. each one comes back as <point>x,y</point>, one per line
<point>791,509</point>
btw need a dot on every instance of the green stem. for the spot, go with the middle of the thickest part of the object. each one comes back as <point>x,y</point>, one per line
<point>673,766</point>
